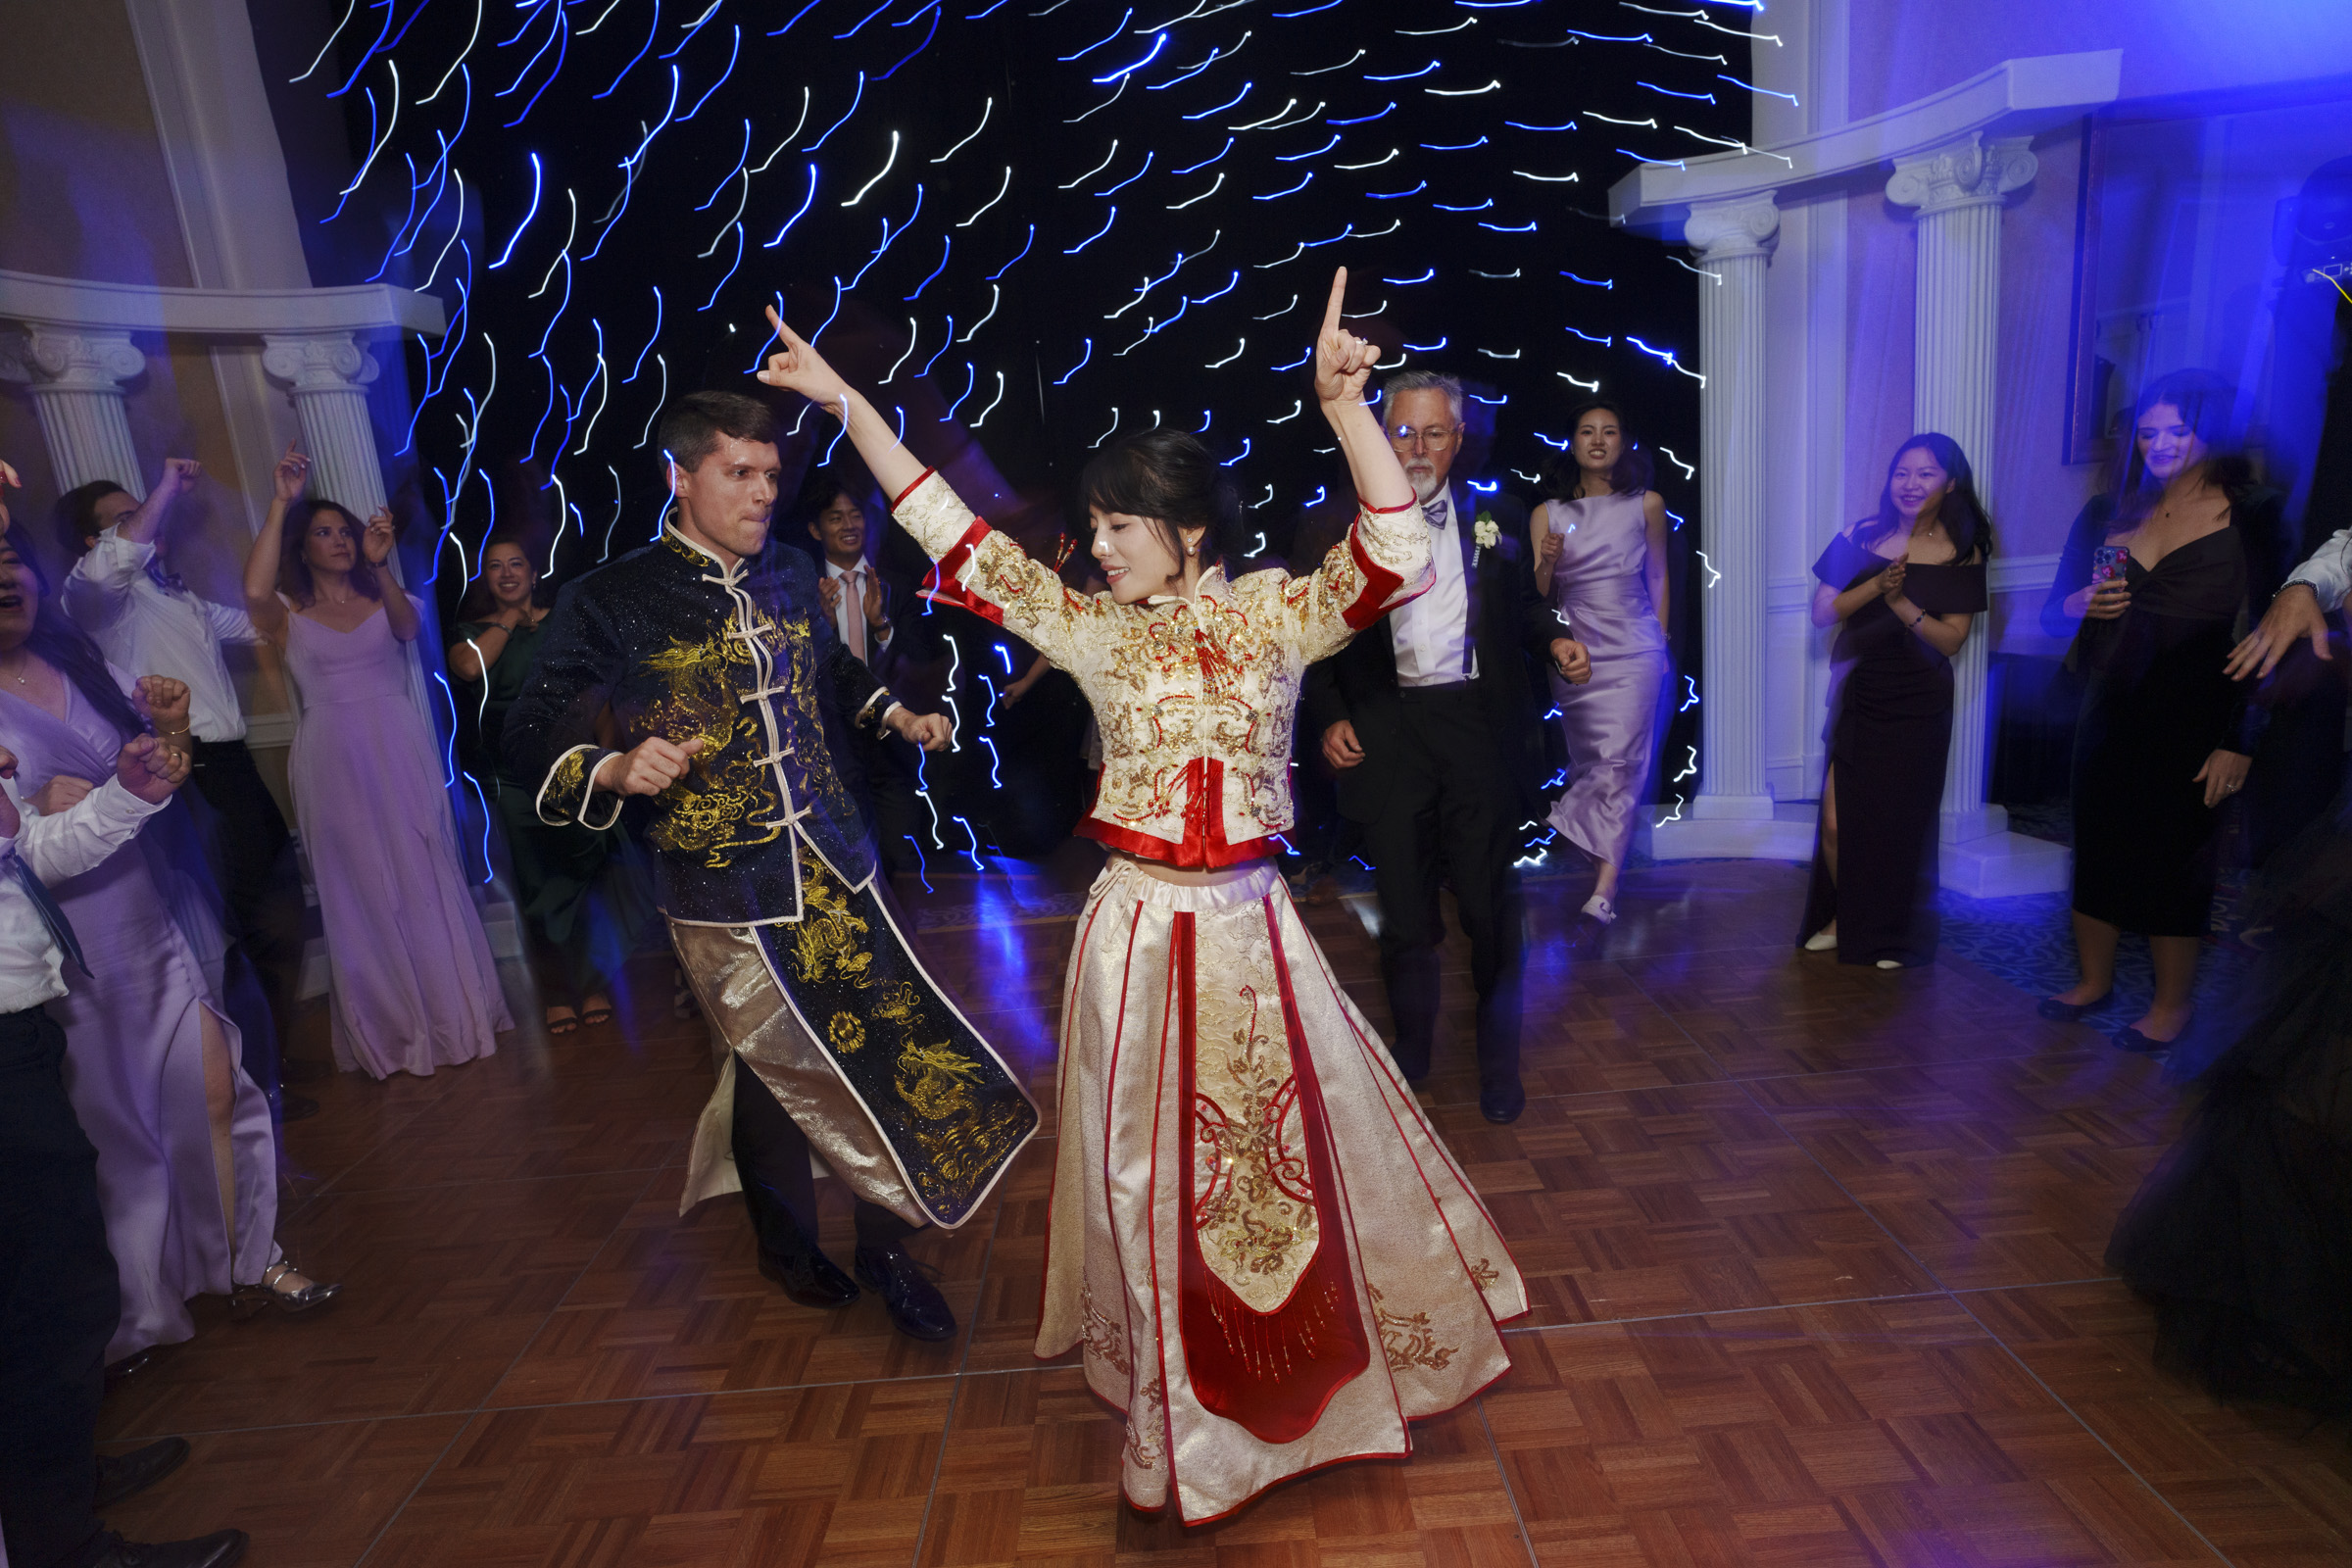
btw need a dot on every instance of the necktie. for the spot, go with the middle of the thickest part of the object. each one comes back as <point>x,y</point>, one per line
<point>170,582</point>
<point>853,610</point>
<point>1434,512</point>
<point>61,930</point>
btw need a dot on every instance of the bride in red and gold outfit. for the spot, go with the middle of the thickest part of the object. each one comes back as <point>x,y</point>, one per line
<point>1271,1261</point>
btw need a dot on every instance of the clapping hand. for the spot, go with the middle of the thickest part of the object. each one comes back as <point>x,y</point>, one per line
<point>291,477</point>
<point>150,769</point>
<point>799,368</point>
<point>8,481</point>
<point>376,545</point>
<point>1342,361</point>
<point>1890,581</point>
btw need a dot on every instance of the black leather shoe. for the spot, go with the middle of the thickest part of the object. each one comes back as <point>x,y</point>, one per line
<point>216,1551</point>
<point>916,1308</point>
<point>809,1278</point>
<point>301,1070</point>
<point>295,1107</point>
<point>124,1475</point>
<point>1503,1100</point>
<point>2057,1011</point>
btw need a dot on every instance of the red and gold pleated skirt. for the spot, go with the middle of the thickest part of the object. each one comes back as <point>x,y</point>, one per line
<point>1270,1260</point>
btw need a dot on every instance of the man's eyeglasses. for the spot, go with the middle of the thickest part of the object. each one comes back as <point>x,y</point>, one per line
<point>1435,437</point>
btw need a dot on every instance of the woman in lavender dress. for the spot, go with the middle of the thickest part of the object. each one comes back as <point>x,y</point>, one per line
<point>187,1164</point>
<point>1601,557</point>
<point>411,980</point>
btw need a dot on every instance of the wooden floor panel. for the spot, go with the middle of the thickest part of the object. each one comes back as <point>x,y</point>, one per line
<point>1815,1254</point>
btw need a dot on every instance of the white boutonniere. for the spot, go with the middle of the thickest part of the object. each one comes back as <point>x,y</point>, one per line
<point>1485,531</point>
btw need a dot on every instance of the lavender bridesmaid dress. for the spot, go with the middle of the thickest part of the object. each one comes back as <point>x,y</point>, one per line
<point>1611,723</point>
<point>134,1053</point>
<point>411,980</point>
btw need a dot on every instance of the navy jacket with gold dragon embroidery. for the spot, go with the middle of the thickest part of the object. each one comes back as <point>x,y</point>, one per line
<point>742,659</point>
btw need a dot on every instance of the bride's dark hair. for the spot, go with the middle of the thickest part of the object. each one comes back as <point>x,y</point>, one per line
<point>1172,480</point>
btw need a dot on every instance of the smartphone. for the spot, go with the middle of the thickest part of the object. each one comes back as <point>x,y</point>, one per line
<point>2107,564</point>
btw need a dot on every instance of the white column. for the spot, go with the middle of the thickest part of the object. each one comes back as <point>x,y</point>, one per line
<point>1732,240</point>
<point>1958,192</point>
<point>329,372</point>
<point>76,376</point>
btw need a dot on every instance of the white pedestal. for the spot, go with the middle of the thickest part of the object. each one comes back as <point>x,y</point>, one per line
<point>2005,865</point>
<point>1784,835</point>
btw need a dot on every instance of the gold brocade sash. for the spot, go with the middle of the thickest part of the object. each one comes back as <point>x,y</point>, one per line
<point>950,1112</point>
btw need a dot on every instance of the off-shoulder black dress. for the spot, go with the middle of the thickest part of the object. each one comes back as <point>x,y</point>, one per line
<point>2156,703</point>
<point>1889,730</point>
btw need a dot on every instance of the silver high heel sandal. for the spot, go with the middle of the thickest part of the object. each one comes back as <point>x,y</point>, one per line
<point>249,1301</point>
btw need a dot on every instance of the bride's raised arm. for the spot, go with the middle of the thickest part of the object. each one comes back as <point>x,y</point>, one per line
<point>997,576</point>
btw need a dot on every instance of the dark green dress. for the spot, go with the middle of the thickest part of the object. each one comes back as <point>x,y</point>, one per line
<point>586,893</point>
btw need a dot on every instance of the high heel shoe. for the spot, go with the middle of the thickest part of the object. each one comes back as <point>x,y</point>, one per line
<point>248,1300</point>
<point>1823,940</point>
<point>2057,1011</point>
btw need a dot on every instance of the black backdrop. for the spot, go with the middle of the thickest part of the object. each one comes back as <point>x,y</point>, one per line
<point>1130,213</point>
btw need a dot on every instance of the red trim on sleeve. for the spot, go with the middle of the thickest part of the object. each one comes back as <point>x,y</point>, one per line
<point>1379,583</point>
<point>1387,512</point>
<point>942,588</point>
<point>900,498</point>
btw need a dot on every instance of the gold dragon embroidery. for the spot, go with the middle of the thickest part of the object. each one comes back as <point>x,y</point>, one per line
<point>829,942</point>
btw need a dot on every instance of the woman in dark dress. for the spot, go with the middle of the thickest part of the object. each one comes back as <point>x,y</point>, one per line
<point>2242,1238</point>
<point>580,889</point>
<point>2160,744</point>
<point>1903,587</point>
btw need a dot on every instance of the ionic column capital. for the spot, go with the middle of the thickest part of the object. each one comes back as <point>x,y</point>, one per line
<point>322,362</point>
<point>1970,172</point>
<point>62,358</point>
<point>1720,231</point>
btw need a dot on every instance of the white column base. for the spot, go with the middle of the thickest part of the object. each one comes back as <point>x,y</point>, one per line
<point>1731,808</point>
<point>1784,834</point>
<point>1963,828</point>
<point>2003,865</point>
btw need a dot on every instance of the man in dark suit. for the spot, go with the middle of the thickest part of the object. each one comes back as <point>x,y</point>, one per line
<point>1430,721</point>
<point>866,606</point>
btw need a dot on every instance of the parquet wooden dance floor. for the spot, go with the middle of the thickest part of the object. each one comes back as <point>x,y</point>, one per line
<point>1815,1252</point>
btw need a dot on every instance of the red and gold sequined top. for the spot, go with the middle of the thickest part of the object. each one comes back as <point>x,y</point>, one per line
<point>1195,697</point>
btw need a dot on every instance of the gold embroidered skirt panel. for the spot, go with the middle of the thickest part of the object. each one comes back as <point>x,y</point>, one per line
<point>1270,1260</point>
<point>890,1083</point>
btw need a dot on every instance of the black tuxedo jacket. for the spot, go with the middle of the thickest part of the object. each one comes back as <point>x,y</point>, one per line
<point>1510,622</point>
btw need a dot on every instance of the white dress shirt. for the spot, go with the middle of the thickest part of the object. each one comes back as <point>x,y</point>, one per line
<point>2328,572</point>
<point>31,969</point>
<point>1432,637</point>
<point>850,610</point>
<point>149,630</point>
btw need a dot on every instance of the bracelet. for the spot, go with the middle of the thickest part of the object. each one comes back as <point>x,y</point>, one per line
<point>1916,619</point>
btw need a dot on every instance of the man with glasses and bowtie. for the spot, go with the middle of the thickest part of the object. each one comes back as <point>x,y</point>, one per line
<point>1433,730</point>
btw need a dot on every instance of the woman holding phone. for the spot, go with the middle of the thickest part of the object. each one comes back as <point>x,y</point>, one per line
<point>1903,586</point>
<point>2152,583</point>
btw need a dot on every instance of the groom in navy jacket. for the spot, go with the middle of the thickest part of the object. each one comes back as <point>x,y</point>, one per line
<point>1430,722</point>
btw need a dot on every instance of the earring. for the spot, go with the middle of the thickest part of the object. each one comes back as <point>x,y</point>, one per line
<point>1192,548</point>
